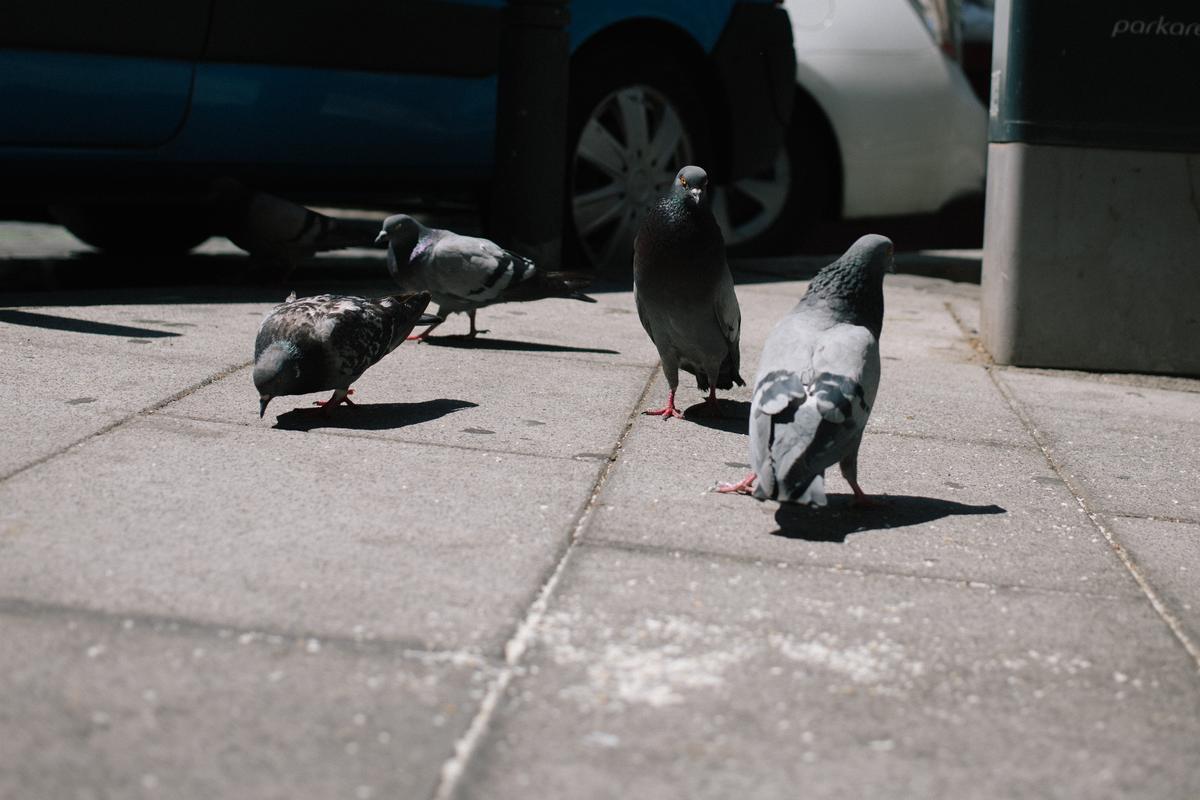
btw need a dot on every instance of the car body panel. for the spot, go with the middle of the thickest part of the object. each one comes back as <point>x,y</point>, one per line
<point>702,20</point>
<point>911,134</point>
<point>91,99</point>
<point>270,116</point>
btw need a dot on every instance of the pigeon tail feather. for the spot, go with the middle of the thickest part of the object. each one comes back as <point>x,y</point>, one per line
<point>814,495</point>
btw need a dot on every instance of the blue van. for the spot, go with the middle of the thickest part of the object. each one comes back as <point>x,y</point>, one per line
<point>137,106</point>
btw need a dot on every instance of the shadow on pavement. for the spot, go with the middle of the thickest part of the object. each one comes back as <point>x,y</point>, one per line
<point>56,323</point>
<point>735,416</point>
<point>839,519</point>
<point>486,343</point>
<point>370,416</point>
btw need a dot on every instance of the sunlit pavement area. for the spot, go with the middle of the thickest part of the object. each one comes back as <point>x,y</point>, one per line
<point>493,578</point>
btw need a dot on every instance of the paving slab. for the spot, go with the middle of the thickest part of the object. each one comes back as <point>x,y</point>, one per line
<point>661,676</point>
<point>509,402</point>
<point>328,535</point>
<point>74,370</point>
<point>99,707</point>
<point>944,400</point>
<point>956,510</point>
<point>1131,448</point>
<point>1168,555</point>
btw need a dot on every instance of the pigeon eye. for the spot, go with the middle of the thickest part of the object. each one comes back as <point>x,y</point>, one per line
<point>683,181</point>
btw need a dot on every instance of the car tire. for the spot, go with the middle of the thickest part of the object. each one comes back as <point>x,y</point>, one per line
<point>632,124</point>
<point>136,230</point>
<point>773,212</point>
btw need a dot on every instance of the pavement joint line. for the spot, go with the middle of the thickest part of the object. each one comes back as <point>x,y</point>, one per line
<point>930,437</point>
<point>1149,517</point>
<point>566,357</point>
<point>147,411</point>
<point>964,583</point>
<point>350,433</point>
<point>159,623</point>
<point>1172,621</point>
<point>972,338</point>
<point>525,632</point>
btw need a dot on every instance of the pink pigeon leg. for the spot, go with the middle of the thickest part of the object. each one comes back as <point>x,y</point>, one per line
<point>474,331</point>
<point>669,411</point>
<point>861,499</point>
<point>339,396</point>
<point>742,487</point>
<point>712,408</point>
<point>423,335</point>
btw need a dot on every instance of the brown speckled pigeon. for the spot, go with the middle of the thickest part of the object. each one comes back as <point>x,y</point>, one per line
<point>328,342</point>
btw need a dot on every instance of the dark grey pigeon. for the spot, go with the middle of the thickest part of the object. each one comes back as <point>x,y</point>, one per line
<point>278,231</point>
<point>328,341</point>
<point>466,273</point>
<point>817,380</point>
<point>684,291</point>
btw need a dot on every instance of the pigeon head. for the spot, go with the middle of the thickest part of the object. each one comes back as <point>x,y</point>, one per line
<point>853,285</point>
<point>277,371</point>
<point>873,253</point>
<point>401,230</point>
<point>691,185</point>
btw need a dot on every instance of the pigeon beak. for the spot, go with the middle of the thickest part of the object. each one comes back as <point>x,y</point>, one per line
<point>381,238</point>
<point>694,193</point>
<point>429,319</point>
<point>262,404</point>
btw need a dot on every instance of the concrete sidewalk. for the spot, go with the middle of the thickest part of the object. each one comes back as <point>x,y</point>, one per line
<point>495,579</point>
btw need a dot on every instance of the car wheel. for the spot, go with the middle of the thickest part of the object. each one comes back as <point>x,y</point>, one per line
<point>129,229</point>
<point>747,209</point>
<point>629,135</point>
<point>772,212</point>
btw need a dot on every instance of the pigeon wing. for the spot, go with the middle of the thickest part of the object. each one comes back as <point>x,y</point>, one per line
<point>469,270</point>
<point>811,403</point>
<point>729,318</point>
<point>357,333</point>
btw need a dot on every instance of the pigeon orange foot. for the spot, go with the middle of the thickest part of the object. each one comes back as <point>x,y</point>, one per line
<point>338,398</point>
<point>668,412</point>
<point>745,486</point>
<point>712,407</point>
<point>863,500</point>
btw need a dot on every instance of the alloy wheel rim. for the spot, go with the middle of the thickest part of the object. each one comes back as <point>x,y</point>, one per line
<point>628,153</point>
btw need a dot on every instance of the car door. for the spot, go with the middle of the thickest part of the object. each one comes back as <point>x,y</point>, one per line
<point>111,74</point>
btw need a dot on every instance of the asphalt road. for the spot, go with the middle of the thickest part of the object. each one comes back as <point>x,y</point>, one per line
<point>494,578</point>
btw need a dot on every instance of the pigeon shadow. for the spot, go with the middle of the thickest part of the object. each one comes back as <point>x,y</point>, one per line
<point>369,416</point>
<point>840,519</point>
<point>735,416</point>
<point>481,343</point>
<point>56,323</point>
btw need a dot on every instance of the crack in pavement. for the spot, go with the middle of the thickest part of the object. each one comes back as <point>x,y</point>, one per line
<point>467,745</point>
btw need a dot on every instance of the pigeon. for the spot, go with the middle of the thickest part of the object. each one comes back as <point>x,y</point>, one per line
<point>328,341</point>
<point>278,231</point>
<point>684,291</point>
<point>466,273</point>
<point>817,381</point>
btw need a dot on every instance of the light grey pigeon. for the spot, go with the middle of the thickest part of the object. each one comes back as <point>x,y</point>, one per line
<point>817,380</point>
<point>328,341</point>
<point>466,273</point>
<point>278,231</point>
<point>684,291</point>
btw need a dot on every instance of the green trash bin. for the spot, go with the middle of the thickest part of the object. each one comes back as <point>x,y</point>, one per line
<point>1092,234</point>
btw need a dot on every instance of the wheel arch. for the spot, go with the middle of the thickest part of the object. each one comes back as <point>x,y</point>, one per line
<point>633,37</point>
<point>821,129</point>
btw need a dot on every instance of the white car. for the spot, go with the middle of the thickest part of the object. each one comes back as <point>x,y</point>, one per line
<point>885,123</point>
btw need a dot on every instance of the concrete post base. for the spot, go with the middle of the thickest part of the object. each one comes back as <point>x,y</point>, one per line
<point>1092,259</point>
